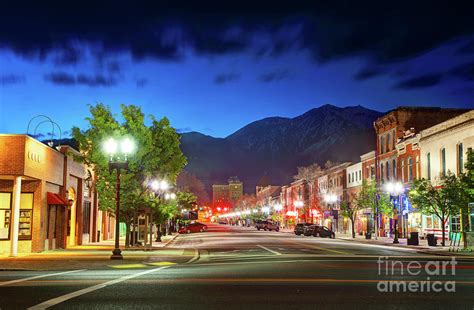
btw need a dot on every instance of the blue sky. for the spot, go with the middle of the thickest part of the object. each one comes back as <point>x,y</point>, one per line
<point>217,92</point>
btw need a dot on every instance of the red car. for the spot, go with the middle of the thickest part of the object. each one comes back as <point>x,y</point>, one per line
<point>192,228</point>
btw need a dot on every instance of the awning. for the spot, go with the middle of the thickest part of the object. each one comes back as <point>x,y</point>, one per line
<point>55,199</point>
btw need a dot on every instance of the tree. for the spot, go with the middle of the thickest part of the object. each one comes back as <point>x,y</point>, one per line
<point>190,183</point>
<point>308,173</point>
<point>443,200</point>
<point>350,210</point>
<point>157,154</point>
<point>373,198</point>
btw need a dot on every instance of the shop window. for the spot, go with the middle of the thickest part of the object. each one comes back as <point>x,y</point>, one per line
<point>5,215</point>
<point>26,216</point>
<point>455,223</point>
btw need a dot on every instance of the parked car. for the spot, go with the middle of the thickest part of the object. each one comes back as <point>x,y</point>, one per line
<point>267,225</point>
<point>193,228</point>
<point>310,230</point>
<point>299,228</point>
<point>323,231</point>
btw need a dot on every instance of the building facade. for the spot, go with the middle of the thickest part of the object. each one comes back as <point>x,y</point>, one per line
<point>46,198</point>
<point>443,149</point>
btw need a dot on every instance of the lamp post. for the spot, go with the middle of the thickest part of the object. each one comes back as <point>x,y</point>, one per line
<point>395,189</point>
<point>160,190</point>
<point>118,152</point>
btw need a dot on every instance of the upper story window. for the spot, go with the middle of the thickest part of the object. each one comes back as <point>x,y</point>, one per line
<point>389,143</point>
<point>460,159</point>
<point>382,144</point>
<point>410,169</point>
<point>394,168</point>
<point>443,161</point>
<point>382,175</point>
<point>428,165</point>
<point>403,170</point>
<point>387,170</point>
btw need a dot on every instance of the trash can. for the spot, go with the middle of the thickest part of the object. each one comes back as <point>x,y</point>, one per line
<point>413,240</point>
<point>368,236</point>
<point>431,239</point>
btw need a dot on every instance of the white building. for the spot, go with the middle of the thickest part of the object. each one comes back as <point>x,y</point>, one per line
<point>444,148</point>
<point>354,175</point>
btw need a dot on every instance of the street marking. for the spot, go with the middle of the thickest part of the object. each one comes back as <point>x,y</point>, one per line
<point>195,257</point>
<point>129,266</point>
<point>314,247</point>
<point>61,299</point>
<point>38,277</point>
<point>162,264</point>
<point>269,250</point>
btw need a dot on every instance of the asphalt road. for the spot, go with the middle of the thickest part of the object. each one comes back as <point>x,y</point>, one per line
<point>239,268</point>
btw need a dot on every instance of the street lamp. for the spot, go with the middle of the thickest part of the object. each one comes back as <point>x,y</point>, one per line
<point>395,189</point>
<point>118,152</point>
<point>159,188</point>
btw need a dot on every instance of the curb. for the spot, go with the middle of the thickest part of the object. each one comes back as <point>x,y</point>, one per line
<point>169,241</point>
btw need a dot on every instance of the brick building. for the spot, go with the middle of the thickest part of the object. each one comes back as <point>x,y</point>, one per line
<point>46,201</point>
<point>391,128</point>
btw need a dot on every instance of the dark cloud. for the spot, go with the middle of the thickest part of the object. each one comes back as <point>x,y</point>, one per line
<point>423,81</point>
<point>464,71</point>
<point>367,73</point>
<point>142,82</point>
<point>274,76</point>
<point>114,67</point>
<point>226,77</point>
<point>63,78</point>
<point>67,56</point>
<point>329,30</point>
<point>10,79</point>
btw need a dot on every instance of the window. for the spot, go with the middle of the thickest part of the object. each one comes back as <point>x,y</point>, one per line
<point>460,158</point>
<point>26,216</point>
<point>381,172</point>
<point>394,168</point>
<point>410,169</point>
<point>372,172</point>
<point>417,166</point>
<point>360,175</point>
<point>387,170</point>
<point>382,144</point>
<point>443,161</point>
<point>5,215</point>
<point>389,143</point>
<point>403,170</point>
<point>428,163</point>
<point>455,223</point>
<point>87,215</point>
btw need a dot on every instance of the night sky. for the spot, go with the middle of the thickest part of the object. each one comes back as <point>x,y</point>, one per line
<point>213,68</point>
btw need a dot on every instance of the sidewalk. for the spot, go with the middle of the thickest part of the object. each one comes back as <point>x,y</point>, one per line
<point>97,256</point>
<point>423,246</point>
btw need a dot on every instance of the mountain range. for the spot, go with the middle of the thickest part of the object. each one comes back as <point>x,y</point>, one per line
<point>276,146</point>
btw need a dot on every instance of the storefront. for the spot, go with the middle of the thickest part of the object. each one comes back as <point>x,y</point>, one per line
<point>45,197</point>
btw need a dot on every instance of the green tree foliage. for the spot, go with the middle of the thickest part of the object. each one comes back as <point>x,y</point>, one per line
<point>157,154</point>
<point>371,197</point>
<point>186,200</point>
<point>350,210</point>
<point>443,200</point>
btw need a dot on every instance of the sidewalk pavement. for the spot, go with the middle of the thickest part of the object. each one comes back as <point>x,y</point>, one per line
<point>97,256</point>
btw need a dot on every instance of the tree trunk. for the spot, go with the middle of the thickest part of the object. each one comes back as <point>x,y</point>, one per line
<point>443,234</point>
<point>127,234</point>
<point>353,228</point>
<point>376,225</point>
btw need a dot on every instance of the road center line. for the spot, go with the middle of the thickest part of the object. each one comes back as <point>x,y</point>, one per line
<point>38,277</point>
<point>269,250</point>
<point>60,299</point>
